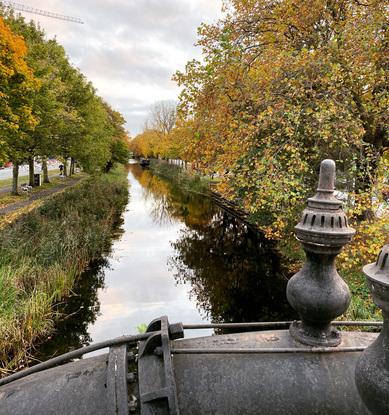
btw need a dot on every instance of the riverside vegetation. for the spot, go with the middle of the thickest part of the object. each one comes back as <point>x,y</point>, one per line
<point>185,180</point>
<point>43,253</point>
<point>283,85</point>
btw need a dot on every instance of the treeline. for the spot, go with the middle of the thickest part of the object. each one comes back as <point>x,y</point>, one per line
<point>48,108</point>
<point>283,85</point>
<point>160,137</point>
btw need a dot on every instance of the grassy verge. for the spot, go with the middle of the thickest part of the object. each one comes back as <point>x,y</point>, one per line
<point>43,253</point>
<point>8,199</point>
<point>185,179</point>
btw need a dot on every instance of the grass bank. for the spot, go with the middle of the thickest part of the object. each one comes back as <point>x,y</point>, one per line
<point>7,199</point>
<point>186,179</point>
<point>43,253</point>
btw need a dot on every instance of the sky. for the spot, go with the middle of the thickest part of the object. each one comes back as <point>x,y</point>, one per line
<point>129,49</point>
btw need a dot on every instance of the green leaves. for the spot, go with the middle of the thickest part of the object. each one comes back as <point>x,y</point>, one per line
<point>284,85</point>
<point>47,107</point>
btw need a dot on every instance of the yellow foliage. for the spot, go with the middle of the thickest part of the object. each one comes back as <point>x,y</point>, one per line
<point>16,83</point>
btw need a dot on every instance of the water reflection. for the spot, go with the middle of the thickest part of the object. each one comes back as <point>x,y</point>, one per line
<point>79,311</point>
<point>235,275</point>
<point>170,202</point>
<point>179,255</point>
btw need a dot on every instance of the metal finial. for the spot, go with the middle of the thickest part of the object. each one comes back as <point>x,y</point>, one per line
<point>372,371</point>
<point>379,271</point>
<point>324,225</point>
<point>317,292</point>
<point>327,176</point>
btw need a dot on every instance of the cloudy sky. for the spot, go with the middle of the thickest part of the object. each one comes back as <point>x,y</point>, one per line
<point>129,49</point>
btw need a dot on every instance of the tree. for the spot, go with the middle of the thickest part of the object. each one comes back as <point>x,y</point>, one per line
<point>66,117</point>
<point>17,83</point>
<point>46,58</point>
<point>146,144</point>
<point>283,85</point>
<point>162,117</point>
<point>120,148</point>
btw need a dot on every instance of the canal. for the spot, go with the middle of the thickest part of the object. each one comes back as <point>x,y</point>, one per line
<point>178,254</point>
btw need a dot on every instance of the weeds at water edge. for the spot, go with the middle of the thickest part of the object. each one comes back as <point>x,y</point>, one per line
<point>43,253</point>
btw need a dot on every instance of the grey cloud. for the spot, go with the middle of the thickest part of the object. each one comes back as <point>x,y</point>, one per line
<point>131,45</point>
<point>126,63</point>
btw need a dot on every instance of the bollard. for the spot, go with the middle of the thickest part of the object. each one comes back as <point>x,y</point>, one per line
<point>372,371</point>
<point>317,292</point>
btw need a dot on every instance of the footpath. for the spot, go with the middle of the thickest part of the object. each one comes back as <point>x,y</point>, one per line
<point>39,195</point>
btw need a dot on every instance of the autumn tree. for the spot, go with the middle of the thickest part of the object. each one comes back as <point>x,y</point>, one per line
<point>46,59</point>
<point>146,144</point>
<point>71,121</point>
<point>283,85</point>
<point>17,84</point>
<point>159,137</point>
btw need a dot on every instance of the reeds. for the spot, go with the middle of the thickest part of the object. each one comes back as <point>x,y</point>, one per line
<point>43,253</point>
<point>185,179</point>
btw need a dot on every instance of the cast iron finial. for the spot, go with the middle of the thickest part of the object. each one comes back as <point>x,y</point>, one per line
<point>327,176</point>
<point>324,226</point>
<point>372,371</point>
<point>317,292</point>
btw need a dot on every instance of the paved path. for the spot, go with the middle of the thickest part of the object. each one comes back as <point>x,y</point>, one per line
<point>39,195</point>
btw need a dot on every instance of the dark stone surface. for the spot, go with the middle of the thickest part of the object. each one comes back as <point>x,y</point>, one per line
<point>372,371</point>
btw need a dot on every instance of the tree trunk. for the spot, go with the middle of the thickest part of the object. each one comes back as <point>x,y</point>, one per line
<point>45,170</point>
<point>15,177</point>
<point>31,171</point>
<point>71,166</point>
<point>65,167</point>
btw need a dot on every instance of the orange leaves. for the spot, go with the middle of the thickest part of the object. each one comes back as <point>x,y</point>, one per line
<point>12,52</point>
<point>284,85</point>
<point>16,82</point>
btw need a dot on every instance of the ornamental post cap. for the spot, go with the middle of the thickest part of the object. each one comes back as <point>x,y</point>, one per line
<point>327,176</point>
<point>324,198</point>
<point>379,271</point>
<point>324,223</point>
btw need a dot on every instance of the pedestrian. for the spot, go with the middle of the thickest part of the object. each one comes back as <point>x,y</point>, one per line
<point>61,169</point>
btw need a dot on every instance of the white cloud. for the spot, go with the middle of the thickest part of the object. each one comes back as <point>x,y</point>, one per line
<point>129,49</point>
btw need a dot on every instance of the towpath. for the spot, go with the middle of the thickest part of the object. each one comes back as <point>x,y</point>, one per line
<point>39,195</point>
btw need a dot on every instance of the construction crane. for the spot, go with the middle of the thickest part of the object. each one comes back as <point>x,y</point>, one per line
<point>29,9</point>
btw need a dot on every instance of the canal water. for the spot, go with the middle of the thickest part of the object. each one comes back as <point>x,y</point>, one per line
<point>176,254</point>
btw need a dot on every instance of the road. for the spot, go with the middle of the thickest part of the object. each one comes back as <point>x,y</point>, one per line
<point>23,170</point>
